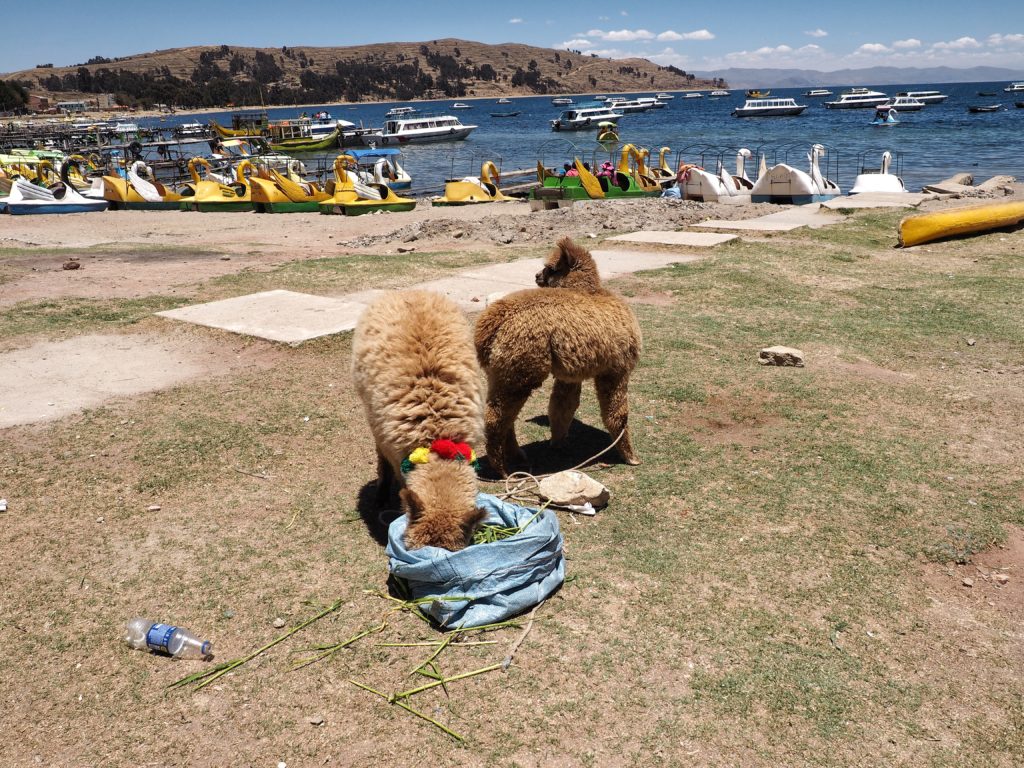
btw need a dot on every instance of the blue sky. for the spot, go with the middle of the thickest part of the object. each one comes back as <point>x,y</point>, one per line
<point>692,35</point>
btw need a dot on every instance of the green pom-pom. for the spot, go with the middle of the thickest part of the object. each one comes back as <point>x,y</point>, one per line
<point>406,466</point>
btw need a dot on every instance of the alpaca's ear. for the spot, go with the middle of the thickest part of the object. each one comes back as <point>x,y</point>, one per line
<point>411,504</point>
<point>572,254</point>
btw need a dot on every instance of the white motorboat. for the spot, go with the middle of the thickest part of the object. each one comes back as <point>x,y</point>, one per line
<point>585,117</point>
<point>1014,88</point>
<point>503,100</point>
<point>192,130</point>
<point>420,130</point>
<point>902,104</point>
<point>561,101</point>
<point>460,105</point>
<point>720,94</point>
<point>627,106</point>
<point>769,108</point>
<point>400,112</point>
<point>664,96</point>
<point>815,93</point>
<point>785,184</point>
<point>694,95</point>
<point>925,97</point>
<point>857,98</point>
<point>878,179</point>
<point>650,102</point>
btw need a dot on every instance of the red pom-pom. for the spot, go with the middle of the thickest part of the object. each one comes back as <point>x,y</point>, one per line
<point>448,449</point>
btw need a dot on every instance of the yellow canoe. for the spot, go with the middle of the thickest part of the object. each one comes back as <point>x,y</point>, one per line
<point>925,228</point>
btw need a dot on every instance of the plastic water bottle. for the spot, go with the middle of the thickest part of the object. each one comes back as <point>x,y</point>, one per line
<point>143,634</point>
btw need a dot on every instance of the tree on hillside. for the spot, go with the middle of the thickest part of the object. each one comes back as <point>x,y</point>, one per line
<point>13,96</point>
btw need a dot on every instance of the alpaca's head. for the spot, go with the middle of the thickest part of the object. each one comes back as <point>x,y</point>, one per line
<point>569,266</point>
<point>440,501</point>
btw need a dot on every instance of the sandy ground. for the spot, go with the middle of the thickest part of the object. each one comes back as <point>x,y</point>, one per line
<point>167,250</point>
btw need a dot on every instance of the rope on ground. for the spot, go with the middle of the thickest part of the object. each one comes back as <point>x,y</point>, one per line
<point>517,483</point>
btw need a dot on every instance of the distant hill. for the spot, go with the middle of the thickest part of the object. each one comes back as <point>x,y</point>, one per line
<point>803,78</point>
<point>218,75</point>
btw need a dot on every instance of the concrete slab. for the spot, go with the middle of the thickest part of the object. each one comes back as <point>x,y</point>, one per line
<point>789,218</point>
<point>613,263</point>
<point>519,273</point>
<point>878,200</point>
<point>53,379</point>
<point>284,316</point>
<point>472,294</point>
<point>292,318</point>
<point>697,239</point>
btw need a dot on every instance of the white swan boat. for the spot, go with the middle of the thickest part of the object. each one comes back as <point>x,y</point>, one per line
<point>878,179</point>
<point>785,184</point>
<point>27,198</point>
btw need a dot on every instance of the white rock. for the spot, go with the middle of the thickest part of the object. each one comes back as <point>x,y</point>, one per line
<point>1000,578</point>
<point>573,488</point>
<point>279,622</point>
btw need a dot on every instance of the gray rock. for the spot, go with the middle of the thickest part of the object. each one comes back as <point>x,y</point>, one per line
<point>781,356</point>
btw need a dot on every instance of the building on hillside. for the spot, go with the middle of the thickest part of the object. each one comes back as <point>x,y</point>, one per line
<point>70,107</point>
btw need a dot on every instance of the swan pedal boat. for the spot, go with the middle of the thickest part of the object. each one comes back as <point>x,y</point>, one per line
<point>472,190</point>
<point>135,192</point>
<point>27,198</point>
<point>351,196</point>
<point>784,184</point>
<point>208,194</point>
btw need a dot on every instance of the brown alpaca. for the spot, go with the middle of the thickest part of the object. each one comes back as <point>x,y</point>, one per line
<point>415,370</point>
<point>570,328</point>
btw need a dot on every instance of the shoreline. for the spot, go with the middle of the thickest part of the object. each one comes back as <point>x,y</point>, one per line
<point>150,113</point>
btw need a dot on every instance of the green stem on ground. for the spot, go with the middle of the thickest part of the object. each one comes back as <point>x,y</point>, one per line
<point>222,669</point>
<point>407,708</point>
<point>326,651</point>
<point>412,691</point>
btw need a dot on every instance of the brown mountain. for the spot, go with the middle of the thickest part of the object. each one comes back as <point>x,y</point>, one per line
<point>432,69</point>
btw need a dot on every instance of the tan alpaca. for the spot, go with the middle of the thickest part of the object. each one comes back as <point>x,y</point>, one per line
<point>570,328</point>
<point>415,370</point>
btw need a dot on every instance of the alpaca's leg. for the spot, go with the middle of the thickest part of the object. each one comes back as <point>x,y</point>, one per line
<point>564,402</point>
<point>503,408</point>
<point>612,394</point>
<point>385,477</point>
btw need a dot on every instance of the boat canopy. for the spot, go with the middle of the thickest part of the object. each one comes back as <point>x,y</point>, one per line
<point>379,152</point>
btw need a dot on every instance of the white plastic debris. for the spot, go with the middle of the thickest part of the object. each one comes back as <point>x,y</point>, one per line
<point>3,505</point>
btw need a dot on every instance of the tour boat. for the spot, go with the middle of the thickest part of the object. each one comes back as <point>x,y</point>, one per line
<point>503,100</point>
<point>586,117</point>
<point>816,93</point>
<point>902,104</point>
<point>926,97</point>
<point>857,98</point>
<point>769,108</point>
<point>694,95</point>
<point>418,130</point>
<point>460,105</point>
<point>627,106</point>
<point>664,96</point>
<point>561,101</point>
<point>719,94</point>
<point>651,102</point>
<point>1014,88</point>
<point>400,112</point>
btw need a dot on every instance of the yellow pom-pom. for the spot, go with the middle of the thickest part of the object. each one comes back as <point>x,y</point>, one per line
<point>420,456</point>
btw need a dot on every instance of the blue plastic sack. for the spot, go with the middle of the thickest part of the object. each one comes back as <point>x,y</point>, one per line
<point>498,580</point>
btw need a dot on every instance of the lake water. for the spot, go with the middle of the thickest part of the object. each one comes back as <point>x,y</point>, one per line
<point>933,143</point>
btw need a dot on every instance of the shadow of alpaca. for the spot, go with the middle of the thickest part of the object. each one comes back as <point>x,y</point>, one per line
<point>377,519</point>
<point>582,442</point>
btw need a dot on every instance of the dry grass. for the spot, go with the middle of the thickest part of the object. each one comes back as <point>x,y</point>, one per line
<point>773,586</point>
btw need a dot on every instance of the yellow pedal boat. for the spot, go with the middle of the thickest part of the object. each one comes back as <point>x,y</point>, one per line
<point>351,197</point>
<point>472,189</point>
